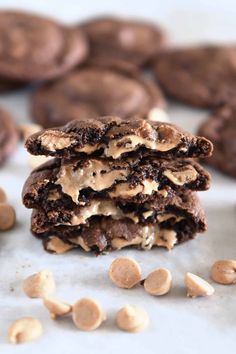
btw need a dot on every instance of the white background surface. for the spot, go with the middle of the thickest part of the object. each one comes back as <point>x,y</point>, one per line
<point>178,325</point>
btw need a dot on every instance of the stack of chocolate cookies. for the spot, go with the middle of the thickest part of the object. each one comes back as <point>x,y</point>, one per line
<point>114,183</point>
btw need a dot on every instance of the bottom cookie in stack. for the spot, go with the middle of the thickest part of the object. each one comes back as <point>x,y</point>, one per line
<point>104,225</point>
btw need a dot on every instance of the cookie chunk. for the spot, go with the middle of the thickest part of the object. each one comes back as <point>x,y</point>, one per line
<point>174,224</point>
<point>94,92</point>
<point>113,137</point>
<point>203,76</point>
<point>114,39</point>
<point>77,182</point>
<point>8,135</point>
<point>37,48</point>
<point>221,129</point>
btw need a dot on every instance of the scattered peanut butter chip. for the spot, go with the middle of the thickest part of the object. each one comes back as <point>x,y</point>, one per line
<point>39,285</point>
<point>125,272</point>
<point>56,307</point>
<point>132,318</point>
<point>158,282</point>
<point>3,196</point>
<point>7,217</point>
<point>25,329</point>
<point>224,271</point>
<point>26,130</point>
<point>197,286</point>
<point>87,314</point>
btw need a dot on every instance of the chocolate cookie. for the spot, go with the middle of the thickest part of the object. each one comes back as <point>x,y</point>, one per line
<point>113,39</point>
<point>221,129</point>
<point>116,138</point>
<point>8,135</point>
<point>36,48</point>
<point>93,92</point>
<point>7,85</point>
<point>64,184</point>
<point>174,224</point>
<point>203,76</point>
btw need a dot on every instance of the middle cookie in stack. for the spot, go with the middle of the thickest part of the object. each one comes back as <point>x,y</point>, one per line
<point>116,183</point>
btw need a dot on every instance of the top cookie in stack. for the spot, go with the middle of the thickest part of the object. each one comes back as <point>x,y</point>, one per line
<point>116,183</point>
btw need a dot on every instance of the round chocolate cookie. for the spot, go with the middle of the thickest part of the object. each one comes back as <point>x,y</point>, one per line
<point>37,48</point>
<point>8,135</point>
<point>119,39</point>
<point>95,91</point>
<point>203,76</point>
<point>220,128</point>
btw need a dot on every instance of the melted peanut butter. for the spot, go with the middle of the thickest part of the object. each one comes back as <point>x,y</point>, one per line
<point>179,178</point>
<point>123,190</point>
<point>117,147</point>
<point>96,175</point>
<point>53,142</point>
<point>97,207</point>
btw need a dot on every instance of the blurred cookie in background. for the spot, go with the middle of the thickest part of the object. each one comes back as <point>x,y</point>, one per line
<point>33,47</point>
<point>8,135</point>
<point>131,41</point>
<point>96,91</point>
<point>202,76</point>
<point>220,128</point>
<point>7,85</point>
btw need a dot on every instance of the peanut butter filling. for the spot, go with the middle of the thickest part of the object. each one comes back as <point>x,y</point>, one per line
<point>123,189</point>
<point>97,207</point>
<point>53,142</point>
<point>179,178</point>
<point>89,149</point>
<point>109,208</point>
<point>148,236</point>
<point>96,175</point>
<point>117,147</point>
<point>168,139</point>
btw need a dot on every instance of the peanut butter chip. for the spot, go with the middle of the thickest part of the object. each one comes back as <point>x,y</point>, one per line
<point>125,272</point>
<point>158,282</point>
<point>87,314</point>
<point>197,286</point>
<point>25,329</point>
<point>132,318</point>
<point>56,307</point>
<point>3,196</point>
<point>39,284</point>
<point>7,216</point>
<point>224,271</point>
